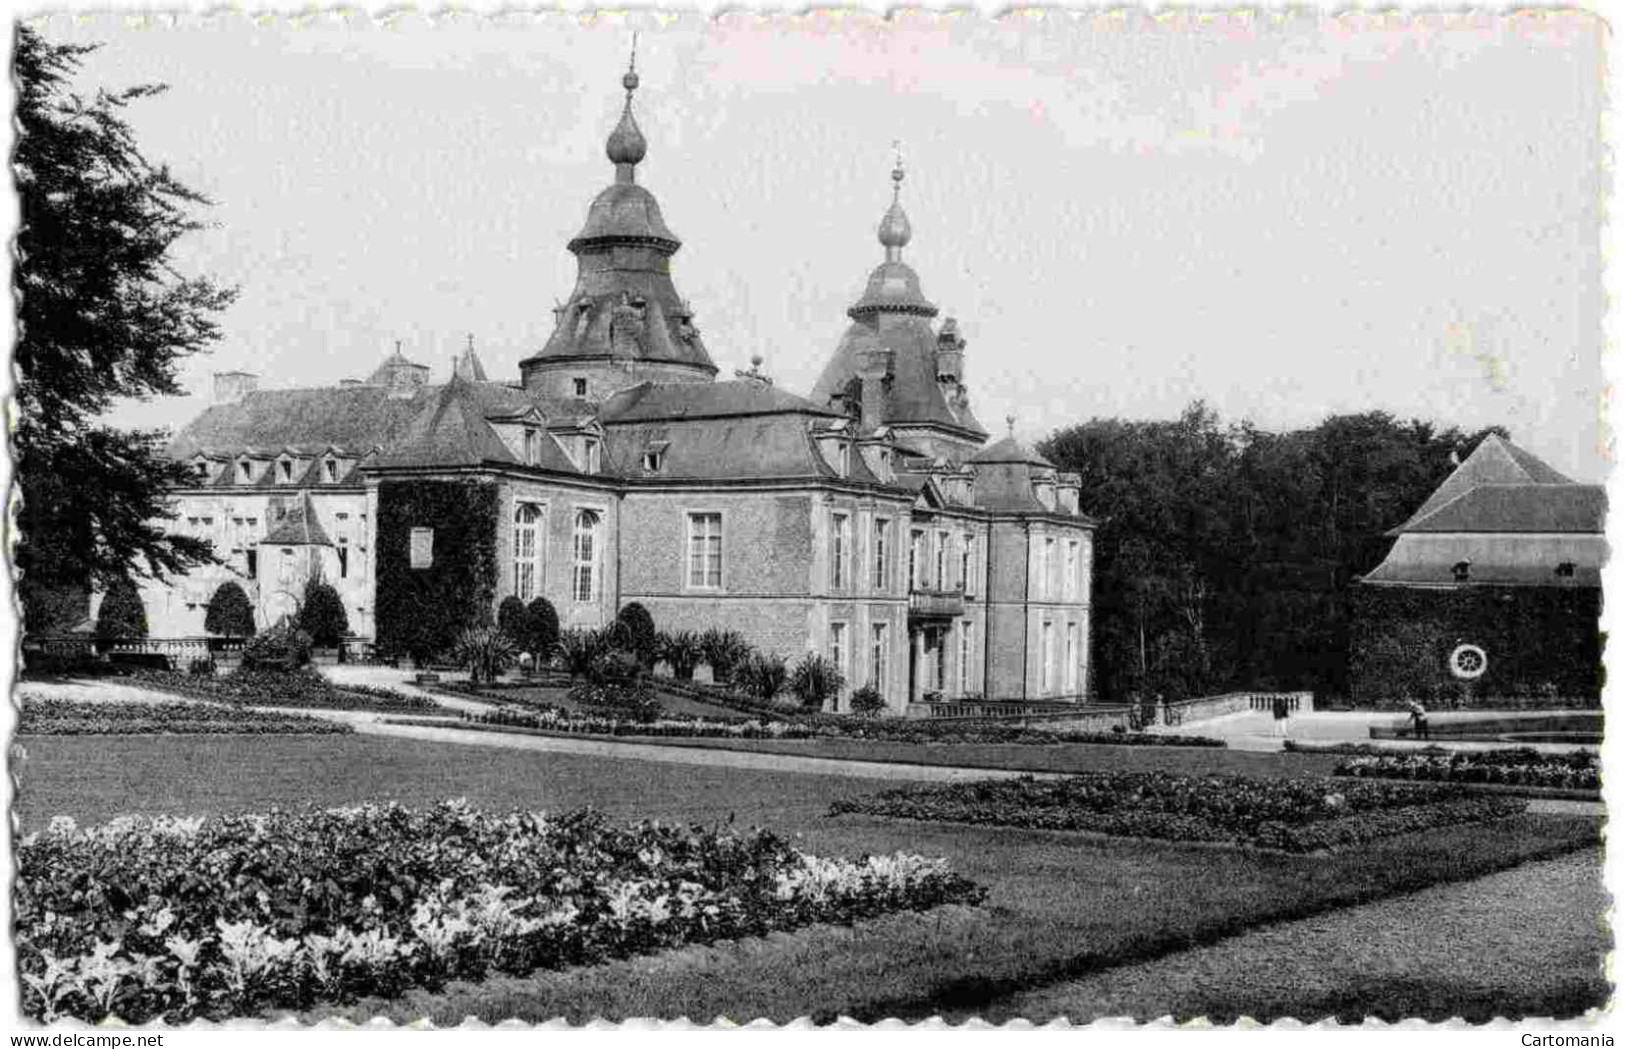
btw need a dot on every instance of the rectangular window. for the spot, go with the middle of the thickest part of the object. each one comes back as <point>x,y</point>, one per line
<point>837,646</point>
<point>840,538</point>
<point>252,563</point>
<point>942,560</point>
<point>1046,567</point>
<point>916,558</point>
<point>880,656</point>
<point>245,472</point>
<point>285,567</point>
<point>652,461</point>
<point>580,387</point>
<point>705,550</point>
<point>1072,657</point>
<point>967,642</point>
<point>330,471</point>
<point>527,550</point>
<point>1046,660</point>
<point>1069,582</point>
<point>532,446</point>
<point>285,470</point>
<point>590,454</point>
<point>967,563</point>
<point>882,551</point>
<point>344,558</point>
<point>422,548</point>
<point>584,577</point>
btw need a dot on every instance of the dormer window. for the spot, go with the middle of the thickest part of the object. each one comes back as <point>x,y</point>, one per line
<point>330,470</point>
<point>533,446</point>
<point>284,470</point>
<point>843,458</point>
<point>590,455</point>
<point>1461,570</point>
<point>200,468</point>
<point>245,471</point>
<point>580,387</point>
<point>1565,570</point>
<point>653,461</point>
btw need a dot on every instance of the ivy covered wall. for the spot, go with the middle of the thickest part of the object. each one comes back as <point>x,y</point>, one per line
<point>421,610</point>
<point>1543,645</point>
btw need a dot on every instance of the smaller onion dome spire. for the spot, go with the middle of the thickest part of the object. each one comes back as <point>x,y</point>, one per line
<point>895,231</point>
<point>626,145</point>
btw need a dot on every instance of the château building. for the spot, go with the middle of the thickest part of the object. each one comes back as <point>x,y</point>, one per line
<point>870,521</point>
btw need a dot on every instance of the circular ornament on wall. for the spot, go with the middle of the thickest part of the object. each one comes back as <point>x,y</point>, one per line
<point>1468,662</point>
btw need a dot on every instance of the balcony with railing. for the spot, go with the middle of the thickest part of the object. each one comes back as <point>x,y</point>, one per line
<point>936,604</point>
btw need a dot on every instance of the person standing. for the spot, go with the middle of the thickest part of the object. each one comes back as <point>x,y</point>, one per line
<point>1419,720</point>
<point>1278,707</point>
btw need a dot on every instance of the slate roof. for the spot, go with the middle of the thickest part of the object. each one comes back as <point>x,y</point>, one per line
<point>1429,560</point>
<point>1494,461</point>
<point>354,418</point>
<point>1010,450</point>
<point>1519,508</point>
<point>299,528</point>
<point>913,395</point>
<point>453,429</point>
<point>703,400</point>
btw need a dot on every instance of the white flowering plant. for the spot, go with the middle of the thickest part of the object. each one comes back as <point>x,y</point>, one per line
<point>252,915</point>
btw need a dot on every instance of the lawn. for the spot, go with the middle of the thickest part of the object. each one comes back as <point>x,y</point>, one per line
<point>549,695</point>
<point>1061,906</point>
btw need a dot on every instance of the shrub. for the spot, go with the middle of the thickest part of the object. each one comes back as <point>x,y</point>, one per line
<point>230,612</point>
<point>868,702</point>
<point>627,699</point>
<point>203,666</point>
<point>544,625</point>
<point>640,627</point>
<point>763,676</point>
<point>322,615</point>
<point>723,650</point>
<point>578,649</point>
<point>513,619</point>
<point>62,717</point>
<point>283,647</point>
<point>816,681</point>
<point>485,652</point>
<point>615,666</point>
<point>122,615</point>
<point>681,651</point>
<point>304,688</point>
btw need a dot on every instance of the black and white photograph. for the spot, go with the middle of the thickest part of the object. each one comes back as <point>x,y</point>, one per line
<point>1039,517</point>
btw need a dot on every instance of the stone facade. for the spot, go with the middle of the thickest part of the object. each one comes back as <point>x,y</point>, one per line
<point>870,523</point>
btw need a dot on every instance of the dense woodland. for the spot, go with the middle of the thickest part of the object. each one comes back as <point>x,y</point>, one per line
<point>1225,554</point>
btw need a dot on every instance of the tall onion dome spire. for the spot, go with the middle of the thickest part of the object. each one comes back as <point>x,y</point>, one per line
<point>894,287</point>
<point>626,145</point>
<point>624,323</point>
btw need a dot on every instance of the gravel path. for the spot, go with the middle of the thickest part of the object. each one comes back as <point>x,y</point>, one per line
<point>1526,942</point>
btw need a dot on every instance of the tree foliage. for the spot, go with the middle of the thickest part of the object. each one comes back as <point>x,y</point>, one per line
<point>1225,555</point>
<point>230,613</point>
<point>103,315</point>
<point>121,615</point>
<point>513,619</point>
<point>322,614</point>
<point>640,627</point>
<point>544,625</point>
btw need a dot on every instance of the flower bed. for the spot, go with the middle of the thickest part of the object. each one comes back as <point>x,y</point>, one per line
<point>277,689</point>
<point>576,723</point>
<point>64,717</point>
<point>1522,767</point>
<point>247,915</point>
<point>1293,815</point>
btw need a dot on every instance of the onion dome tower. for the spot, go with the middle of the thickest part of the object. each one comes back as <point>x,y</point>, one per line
<point>624,323</point>
<point>890,368</point>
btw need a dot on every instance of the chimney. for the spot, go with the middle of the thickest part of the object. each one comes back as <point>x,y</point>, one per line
<point>950,354</point>
<point>231,387</point>
<point>874,372</point>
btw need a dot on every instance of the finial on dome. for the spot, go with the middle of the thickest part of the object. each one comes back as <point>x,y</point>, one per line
<point>895,231</point>
<point>1010,424</point>
<point>626,145</point>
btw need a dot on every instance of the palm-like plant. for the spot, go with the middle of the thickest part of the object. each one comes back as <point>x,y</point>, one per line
<point>485,652</point>
<point>681,651</point>
<point>578,650</point>
<point>815,681</point>
<point>723,650</point>
<point>762,675</point>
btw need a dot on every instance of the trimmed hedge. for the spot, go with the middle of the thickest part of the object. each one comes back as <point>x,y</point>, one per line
<point>421,611</point>
<point>283,689</point>
<point>62,717</point>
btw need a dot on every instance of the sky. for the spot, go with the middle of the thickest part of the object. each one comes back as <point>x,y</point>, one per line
<point>1285,215</point>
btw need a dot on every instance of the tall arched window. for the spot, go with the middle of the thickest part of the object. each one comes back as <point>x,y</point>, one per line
<point>527,550</point>
<point>584,578</point>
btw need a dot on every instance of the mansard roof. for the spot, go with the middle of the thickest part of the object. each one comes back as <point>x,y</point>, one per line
<point>703,400</point>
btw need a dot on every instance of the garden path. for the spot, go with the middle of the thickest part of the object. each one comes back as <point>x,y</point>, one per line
<point>1257,731</point>
<point>398,681</point>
